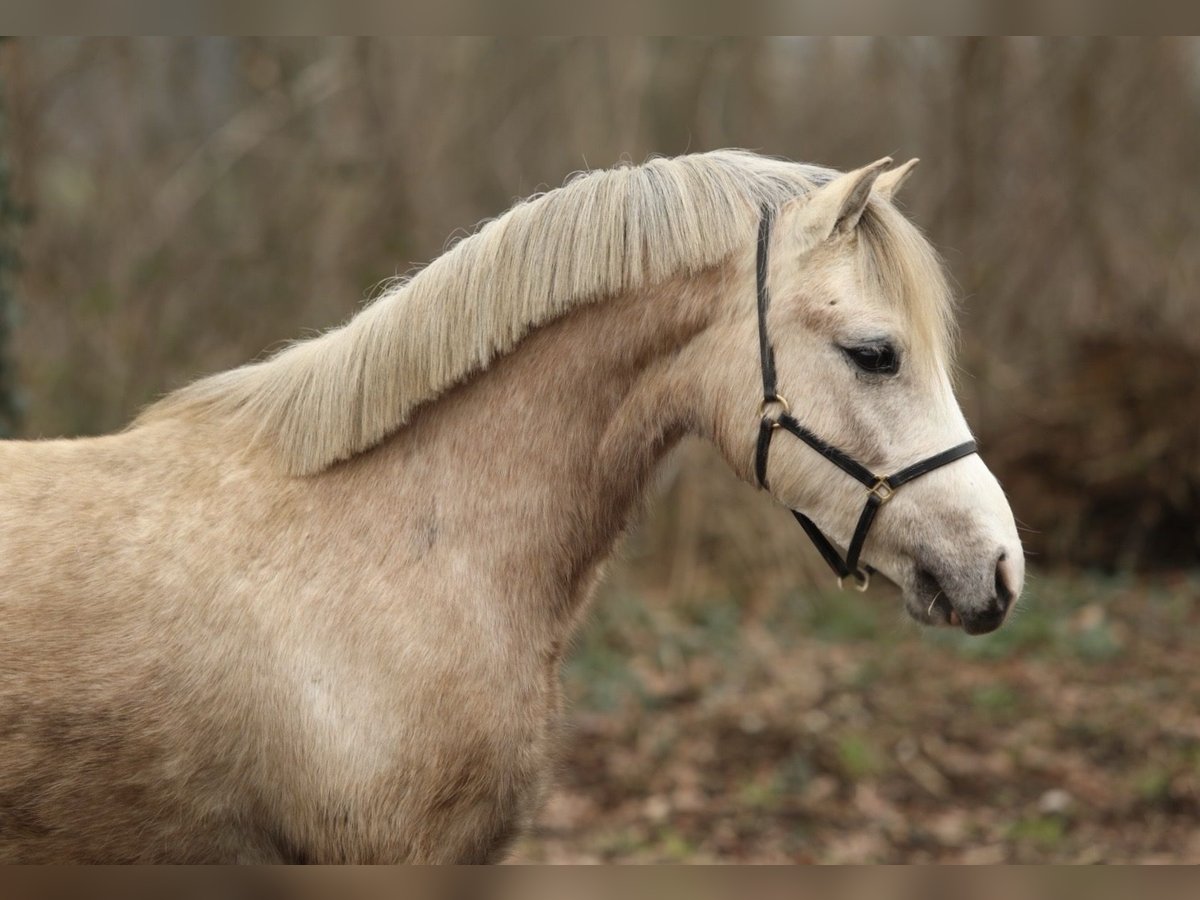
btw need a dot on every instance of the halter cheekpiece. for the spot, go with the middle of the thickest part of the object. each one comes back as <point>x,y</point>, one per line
<point>880,488</point>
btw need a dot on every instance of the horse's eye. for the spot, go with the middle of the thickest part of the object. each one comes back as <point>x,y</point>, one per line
<point>878,359</point>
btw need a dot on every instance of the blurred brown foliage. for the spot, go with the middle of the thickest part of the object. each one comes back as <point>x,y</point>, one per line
<point>824,730</point>
<point>197,202</point>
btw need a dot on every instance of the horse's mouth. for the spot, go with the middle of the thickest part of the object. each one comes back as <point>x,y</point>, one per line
<point>928,603</point>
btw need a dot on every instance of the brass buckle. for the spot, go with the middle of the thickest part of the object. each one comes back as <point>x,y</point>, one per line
<point>778,398</point>
<point>882,490</point>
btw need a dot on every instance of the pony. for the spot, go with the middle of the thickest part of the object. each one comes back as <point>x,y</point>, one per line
<point>314,609</point>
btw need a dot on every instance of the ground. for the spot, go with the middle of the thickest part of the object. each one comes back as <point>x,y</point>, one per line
<point>826,728</point>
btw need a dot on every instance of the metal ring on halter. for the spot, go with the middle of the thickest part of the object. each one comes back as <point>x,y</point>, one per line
<point>882,490</point>
<point>862,581</point>
<point>778,398</point>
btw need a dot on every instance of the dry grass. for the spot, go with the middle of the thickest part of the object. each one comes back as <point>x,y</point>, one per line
<point>821,728</point>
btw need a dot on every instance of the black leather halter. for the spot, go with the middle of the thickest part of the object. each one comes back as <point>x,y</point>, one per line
<point>880,489</point>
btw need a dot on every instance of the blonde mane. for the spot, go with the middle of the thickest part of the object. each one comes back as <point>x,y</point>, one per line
<point>601,234</point>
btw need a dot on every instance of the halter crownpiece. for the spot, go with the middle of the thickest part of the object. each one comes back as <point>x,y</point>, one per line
<point>880,488</point>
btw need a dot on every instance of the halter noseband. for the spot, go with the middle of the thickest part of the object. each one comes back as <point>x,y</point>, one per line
<point>880,489</point>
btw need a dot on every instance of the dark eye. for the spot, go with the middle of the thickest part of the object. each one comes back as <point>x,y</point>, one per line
<point>878,359</point>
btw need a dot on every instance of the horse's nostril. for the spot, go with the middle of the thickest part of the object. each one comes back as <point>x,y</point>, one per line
<point>1004,591</point>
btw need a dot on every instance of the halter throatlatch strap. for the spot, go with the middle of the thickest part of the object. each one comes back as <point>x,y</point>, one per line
<point>880,489</point>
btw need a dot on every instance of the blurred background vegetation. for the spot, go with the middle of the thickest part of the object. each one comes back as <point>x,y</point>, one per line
<point>173,207</point>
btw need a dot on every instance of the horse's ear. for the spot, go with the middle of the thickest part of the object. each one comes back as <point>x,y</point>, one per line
<point>836,207</point>
<point>889,182</point>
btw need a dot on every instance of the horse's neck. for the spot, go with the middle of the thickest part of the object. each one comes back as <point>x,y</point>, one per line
<point>529,472</point>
